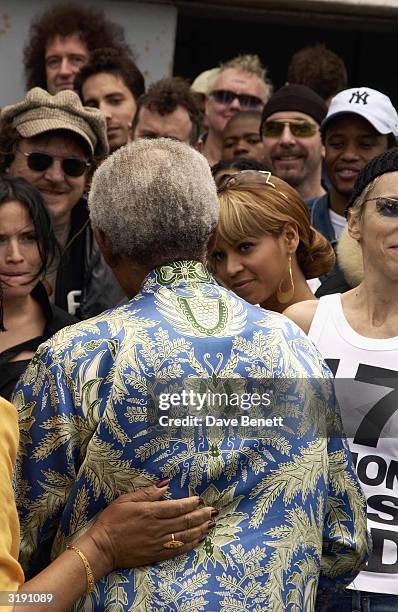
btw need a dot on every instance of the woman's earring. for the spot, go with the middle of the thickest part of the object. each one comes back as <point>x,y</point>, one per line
<point>282,296</point>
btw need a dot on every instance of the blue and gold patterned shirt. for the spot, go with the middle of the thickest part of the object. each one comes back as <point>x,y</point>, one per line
<point>291,512</point>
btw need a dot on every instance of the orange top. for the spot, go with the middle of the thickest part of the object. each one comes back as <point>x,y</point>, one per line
<point>11,574</point>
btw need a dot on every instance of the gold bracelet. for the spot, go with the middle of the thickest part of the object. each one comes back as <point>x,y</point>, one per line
<point>87,567</point>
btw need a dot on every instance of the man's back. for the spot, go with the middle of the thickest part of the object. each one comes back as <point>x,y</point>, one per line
<point>98,391</point>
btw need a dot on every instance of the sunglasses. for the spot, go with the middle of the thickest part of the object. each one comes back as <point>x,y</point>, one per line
<point>225,96</point>
<point>298,127</point>
<point>247,178</point>
<point>71,166</point>
<point>387,207</point>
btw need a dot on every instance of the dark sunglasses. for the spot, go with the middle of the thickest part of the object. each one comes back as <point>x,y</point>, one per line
<point>298,127</point>
<point>225,96</point>
<point>387,207</point>
<point>71,166</point>
<point>247,178</point>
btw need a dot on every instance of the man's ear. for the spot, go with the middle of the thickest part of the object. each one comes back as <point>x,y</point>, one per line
<point>106,249</point>
<point>212,241</point>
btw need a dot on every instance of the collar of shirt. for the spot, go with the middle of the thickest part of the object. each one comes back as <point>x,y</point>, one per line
<point>176,273</point>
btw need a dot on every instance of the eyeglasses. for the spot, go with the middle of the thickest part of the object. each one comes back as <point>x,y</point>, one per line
<point>225,96</point>
<point>298,127</point>
<point>71,166</point>
<point>387,207</point>
<point>248,178</point>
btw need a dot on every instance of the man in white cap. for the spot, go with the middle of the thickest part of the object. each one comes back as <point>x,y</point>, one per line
<point>361,123</point>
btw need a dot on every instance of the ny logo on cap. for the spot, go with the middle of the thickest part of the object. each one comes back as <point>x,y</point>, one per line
<point>357,97</point>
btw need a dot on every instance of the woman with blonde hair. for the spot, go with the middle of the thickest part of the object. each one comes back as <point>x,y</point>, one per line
<point>266,248</point>
<point>357,334</point>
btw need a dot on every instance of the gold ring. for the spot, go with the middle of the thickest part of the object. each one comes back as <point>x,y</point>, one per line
<point>173,543</point>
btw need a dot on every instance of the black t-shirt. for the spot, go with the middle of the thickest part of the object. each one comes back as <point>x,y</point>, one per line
<point>56,319</point>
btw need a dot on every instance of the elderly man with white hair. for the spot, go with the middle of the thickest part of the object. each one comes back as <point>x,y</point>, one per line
<point>172,386</point>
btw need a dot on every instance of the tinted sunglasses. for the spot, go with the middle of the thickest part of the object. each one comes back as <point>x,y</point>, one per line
<point>225,96</point>
<point>247,178</point>
<point>298,127</point>
<point>71,166</point>
<point>387,207</point>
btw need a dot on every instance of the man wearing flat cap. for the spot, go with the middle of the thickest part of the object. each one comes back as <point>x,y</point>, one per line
<point>52,141</point>
<point>292,139</point>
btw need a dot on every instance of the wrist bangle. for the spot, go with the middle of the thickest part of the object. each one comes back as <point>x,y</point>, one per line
<point>87,567</point>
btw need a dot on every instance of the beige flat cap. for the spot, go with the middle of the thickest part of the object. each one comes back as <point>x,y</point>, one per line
<point>41,112</point>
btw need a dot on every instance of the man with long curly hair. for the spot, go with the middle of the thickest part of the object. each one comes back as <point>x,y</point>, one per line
<point>60,41</point>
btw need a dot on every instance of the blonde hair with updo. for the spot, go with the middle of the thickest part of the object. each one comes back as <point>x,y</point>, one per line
<point>257,210</point>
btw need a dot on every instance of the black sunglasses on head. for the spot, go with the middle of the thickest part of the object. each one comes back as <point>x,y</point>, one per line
<point>249,179</point>
<point>71,166</point>
<point>225,96</point>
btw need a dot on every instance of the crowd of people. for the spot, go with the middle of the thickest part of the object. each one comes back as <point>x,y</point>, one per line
<point>218,241</point>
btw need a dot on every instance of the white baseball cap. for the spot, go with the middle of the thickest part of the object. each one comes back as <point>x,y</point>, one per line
<point>370,104</point>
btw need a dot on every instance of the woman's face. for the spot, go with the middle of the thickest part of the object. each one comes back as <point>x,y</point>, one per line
<point>253,267</point>
<point>377,229</point>
<point>19,253</point>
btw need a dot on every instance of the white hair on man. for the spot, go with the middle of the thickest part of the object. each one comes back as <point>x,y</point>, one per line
<point>156,202</point>
<point>246,63</point>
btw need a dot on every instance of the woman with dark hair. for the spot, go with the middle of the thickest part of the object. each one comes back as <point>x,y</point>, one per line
<point>27,248</point>
<point>266,248</point>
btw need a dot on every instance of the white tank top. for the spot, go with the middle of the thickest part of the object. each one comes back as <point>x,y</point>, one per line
<point>366,372</point>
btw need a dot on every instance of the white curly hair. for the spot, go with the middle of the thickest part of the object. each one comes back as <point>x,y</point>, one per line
<point>156,201</point>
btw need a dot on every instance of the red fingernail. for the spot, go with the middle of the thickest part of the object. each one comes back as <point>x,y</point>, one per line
<point>214,512</point>
<point>201,501</point>
<point>211,524</point>
<point>162,483</point>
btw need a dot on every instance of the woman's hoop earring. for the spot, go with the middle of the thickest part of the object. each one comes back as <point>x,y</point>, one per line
<point>282,296</point>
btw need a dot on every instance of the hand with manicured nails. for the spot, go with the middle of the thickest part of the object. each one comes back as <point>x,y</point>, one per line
<point>130,532</point>
<point>133,529</point>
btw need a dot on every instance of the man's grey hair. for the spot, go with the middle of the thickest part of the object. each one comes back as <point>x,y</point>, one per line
<point>156,202</point>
